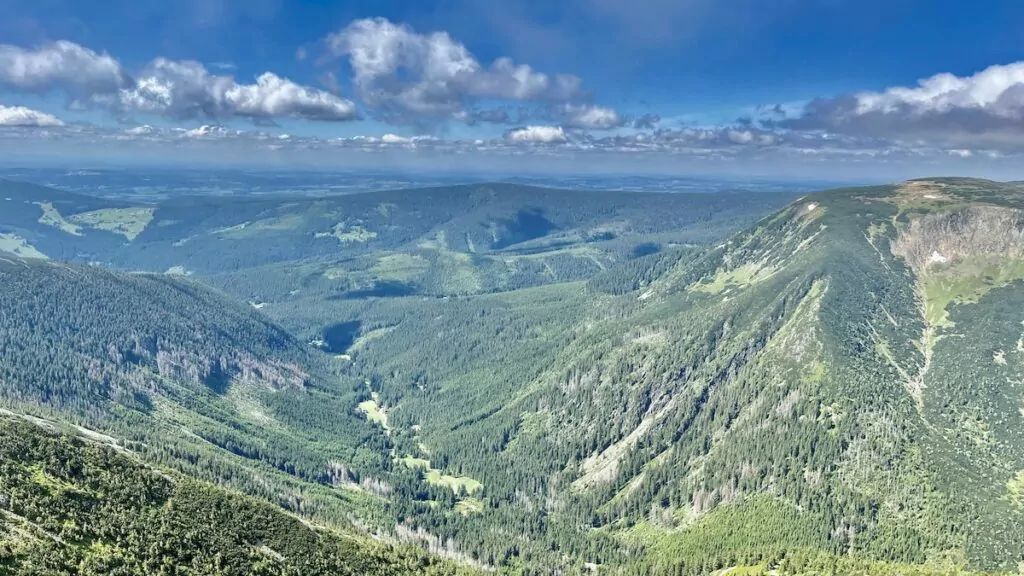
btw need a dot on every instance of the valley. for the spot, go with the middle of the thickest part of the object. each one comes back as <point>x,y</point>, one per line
<point>522,380</point>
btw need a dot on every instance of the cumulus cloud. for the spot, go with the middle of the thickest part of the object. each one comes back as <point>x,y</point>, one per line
<point>985,109</point>
<point>407,74</point>
<point>60,66</point>
<point>26,117</point>
<point>177,89</point>
<point>400,75</point>
<point>188,90</point>
<point>537,134</point>
<point>273,96</point>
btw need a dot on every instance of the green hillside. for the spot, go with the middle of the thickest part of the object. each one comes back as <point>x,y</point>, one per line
<point>76,506</point>
<point>835,389</point>
<point>801,370</point>
<point>188,379</point>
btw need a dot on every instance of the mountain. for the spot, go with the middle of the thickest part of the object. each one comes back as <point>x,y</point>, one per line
<point>839,383</point>
<point>837,388</point>
<point>188,379</point>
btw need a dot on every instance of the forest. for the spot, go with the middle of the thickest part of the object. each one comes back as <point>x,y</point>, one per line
<point>692,385</point>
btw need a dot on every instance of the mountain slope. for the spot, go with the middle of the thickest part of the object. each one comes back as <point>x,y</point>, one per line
<point>843,380</point>
<point>73,506</point>
<point>189,379</point>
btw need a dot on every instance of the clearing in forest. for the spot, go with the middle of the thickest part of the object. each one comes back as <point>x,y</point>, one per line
<point>52,217</point>
<point>128,222</point>
<point>14,244</point>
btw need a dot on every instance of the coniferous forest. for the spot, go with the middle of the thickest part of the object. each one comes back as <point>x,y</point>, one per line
<point>505,379</point>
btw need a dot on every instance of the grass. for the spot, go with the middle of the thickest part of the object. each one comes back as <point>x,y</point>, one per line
<point>52,217</point>
<point>458,274</point>
<point>335,273</point>
<point>370,336</point>
<point>437,478</point>
<point>1016,488</point>
<point>965,283</point>
<point>259,227</point>
<point>740,277</point>
<point>50,483</point>
<point>374,413</point>
<point>346,234</point>
<point>400,267</point>
<point>414,462</point>
<point>925,197</point>
<point>438,242</point>
<point>468,506</point>
<point>128,222</point>
<point>14,244</point>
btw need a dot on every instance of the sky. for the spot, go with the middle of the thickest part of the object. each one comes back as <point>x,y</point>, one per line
<point>872,89</point>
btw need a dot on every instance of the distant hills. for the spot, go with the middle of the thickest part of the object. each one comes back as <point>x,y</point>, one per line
<point>835,388</point>
<point>457,239</point>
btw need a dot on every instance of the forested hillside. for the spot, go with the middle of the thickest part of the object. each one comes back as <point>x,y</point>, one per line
<point>835,389</point>
<point>189,379</point>
<point>78,507</point>
<point>798,396</point>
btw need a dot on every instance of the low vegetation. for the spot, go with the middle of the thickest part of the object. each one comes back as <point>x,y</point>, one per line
<point>128,222</point>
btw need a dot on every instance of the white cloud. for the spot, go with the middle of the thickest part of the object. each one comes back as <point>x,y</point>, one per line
<point>410,75</point>
<point>394,139</point>
<point>998,90</point>
<point>178,89</point>
<point>208,131</point>
<point>25,117</point>
<point>589,117</point>
<point>273,96</point>
<point>741,136</point>
<point>537,134</point>
<point>984,110</point>
<point>188,90</point>
<point>140,130</point>
<point>60,66</point>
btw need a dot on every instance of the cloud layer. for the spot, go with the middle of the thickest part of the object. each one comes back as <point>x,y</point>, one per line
<point>425,81</point>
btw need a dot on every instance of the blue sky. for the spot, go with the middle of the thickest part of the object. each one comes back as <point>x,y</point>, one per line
<point>789,87</point>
